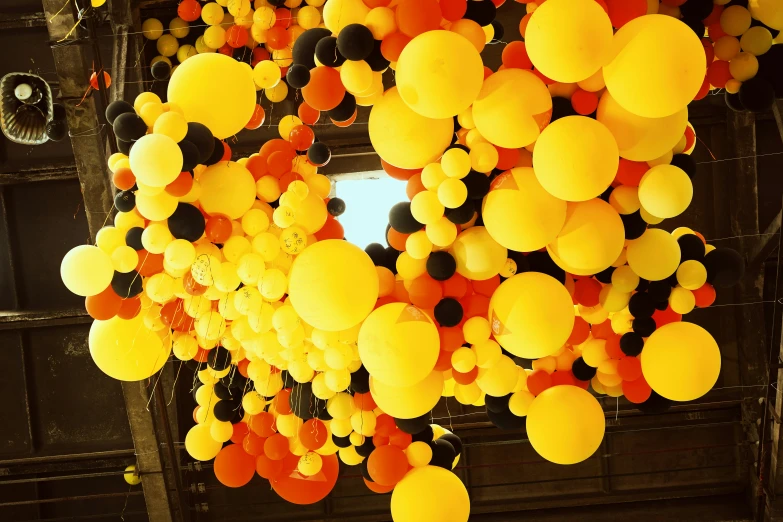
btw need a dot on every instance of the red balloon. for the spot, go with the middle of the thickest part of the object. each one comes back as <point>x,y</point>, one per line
<point>94,80</point>
<point>103,306</point>
<point>637,391</point>
<point>718,73</point>
<point>279,163</point>
<point>507,158</point>
<point>299,489</point>
<point>288,178</point>
<point>563,378</point>
<point>278,145</point>
<point>302,137</point>
<point>584,102</point>
<point>453,10</point>
<point>242,367</point>
<point>259,55</point>
<point>486,287</point>
<point>387,465</point>
<point>586,291</point>
<point>444,360</point>
<point>332,229</point>
<point>202,355</point>
<point>282,17</point>
<point>629,368</point>
<point>325,90</point>
<point>538,381</point>
<point>236,36</point>
<point>189,10</point>
<point>613,349</point>
<point>415,17</point>
<point>313,434</point>
<point>233,467</point>
<point>226,49</point>
<point>623,11</point>
<point>705,295</point>
<point>464,378</point>
<point>226,152</point>
<point>665,317</point>
<point>240,432</point>
<point>268,468</point>
<point>580,332</point>
<point>631,172</point>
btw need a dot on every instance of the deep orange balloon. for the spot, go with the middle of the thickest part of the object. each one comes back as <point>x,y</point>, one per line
<point>392,45</point>
<point>665,317</point>
<point>465,378</point>
<point>189,10</point>
<point>233,467</point>
<point>400,439</point>
<point>372,4</point>
<point>226,152</point>
<point>257,119</point>
<point>332,229</point>
<point>451,338</point>
<point>580,332</point>
<point>263,424</point>
<point>313,434</point>
<point>538,381</point>
<point>705,295</point>
<point>325,90</point>
<point>453,10</point>
<point>629,368</point>
<point>278,145</point>
<point>486,287</point>
<point>242,367</point>
<point>281,402</point>
<point>401,293</point>
<point>507,158</point>
<point>584,102</point>
<point>364,401</point>
<point>398,173</point>
<point>103,306</point>
<point>268,468</point>
<point>123,178</point>
<point>602,330</point>
<point>253,444</point>
<point>226,50</point>
<point>180,186</point>
<point>259,55</point>
<point>347,123</point>
<point>631,172</point>
<point>149,264</point>
<point>418,16</point>
<point>637,391</point>
<point>283,17</point>
<point>279,163</point>
<point>563,378</point>
<point>298,489</point>
<point>474,305</point>
<point>276,447</point>
<point>218,230</point>
<point>613,349</point>
<point>277,38</point>
<point>714,16</point>
<point>455,286</point>
<point>425,292</point>
<point>387,465</point>
<point>192,287</point>
<point>307,114</point>
<point>444,361</point>
<point>586,291</point>
<point>302,137</point>
<point>523,24</point>
<point>288,178</point>
<point>129,308</point>
<point>201,355</point>
<point>236,36</point>
<point>240,432</point>
<point>257,166</point>
<point>385,425</point>
<point>173,315</point>
<point>414,186</point>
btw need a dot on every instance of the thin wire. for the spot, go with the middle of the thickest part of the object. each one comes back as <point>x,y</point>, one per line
<point>740,158</point>
<point>744,235</point>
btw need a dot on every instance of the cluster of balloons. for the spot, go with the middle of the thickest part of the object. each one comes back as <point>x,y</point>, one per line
<point>522,276</point>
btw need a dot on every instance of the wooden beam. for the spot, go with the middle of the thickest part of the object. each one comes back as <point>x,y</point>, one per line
<point>48,173</point>
<point>21,21</point>
<point>37,319</point>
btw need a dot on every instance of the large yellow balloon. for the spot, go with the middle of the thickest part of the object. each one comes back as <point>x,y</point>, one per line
<point>681,361</point>
<point>411,401</point>
<point>439,74</point>
<point>654,256</point>
<point>339,13</point>
<point>405,138</point>
<point>127,350</point>
<point>568,40</point>
<point>591,239</point>
<point>656,66</point>
<point>86,270</point>
<point>156,160</point>
<point>512,108</point>
<point>519,214</point>
<point>639,138</point>
<point>665,191</point>
<point>565,424</point>
<point>200,444</point>
<point>430,494</point>
<point>215,90</point>
<point>478,256</point>
<point>333,285</point>
<point>576,158</point>
<point>768,12</point>
<point>227,188</point>
<point>399,344</point>
<point>531,315</point>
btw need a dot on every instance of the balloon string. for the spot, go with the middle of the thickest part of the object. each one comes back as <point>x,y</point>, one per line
<point>60,11</point>
<point>741,158</point>
<point>744,235</point>
<point>705,146</point>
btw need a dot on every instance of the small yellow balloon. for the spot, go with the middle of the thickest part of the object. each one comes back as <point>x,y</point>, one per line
<point>86,270</point>
<point>654,256</point>
<point>478,256</point>
<point>152,28</point>
<point>665,191</point>
<point>131,476</point>
<point>199,443</point>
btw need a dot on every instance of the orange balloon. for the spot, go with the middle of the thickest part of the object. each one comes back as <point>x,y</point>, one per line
<point>603,330</point>
<point>623,11</point>
<point>281,403</point>
<point>201,355</point>
<point>268,468</point>
<point>173,315</point>
<point>253,444</point>
<point>400,439</point>
<point>189,10</point>
<point>451,338</point>
<point>313,434</point>
<point>298,489</point>
<point>262,424</point>
<point>718,73</point>
<point>397,239</point>
<point>277,38</point>
<point>705,295</point>
<point>302,137</point>
<point>631,172</point>
<point>377,488</point>
<point>386,281</point>
<point>637,391</point>
<point>103,306</point>
<point>471,31</point>
<point>218,229</point>
<point>149,264</point>
<point>384,424</point>
<point>629,368</point>
<point>364,401</point>
<point>240,432</point>
<point>283,17</point>
<point>584,102</point>
<point>123,179</point>
<point>257,166</point>
<point>486,287</point>
<point>332,229</point>
<point>307,114</point>
<point>523,24</point>
<point>418,16</point>
<point>233,467</point>
<point>474,305</point>
<point>276,447</point>
<point>257,119</point>
<point>392,45</point>
<point>236,36</point>
<point>580,332</point>
<point>387,465</point>
<point>507,158</point>
<point>444,361</point>
<point>414,186</point>
<point>455,286</point>
<point>278,145</point>
<point>425,292</point>
<point>129,308</point>
<point>465,378</point>
<point>325,90</point>
<point>180,186</point>
<point>613,349</point>
<point>453,10</point>
<point>515,56</point>
<point>538,381</point>
<point>372,4</point>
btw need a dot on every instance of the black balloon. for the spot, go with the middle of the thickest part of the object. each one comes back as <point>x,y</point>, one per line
<point>298,76</point>
<point>641,305</point>
<point>448,312</point>
<point>482,12</point>
<point>200,136</point>
<point>235,381</point>
<point>691,248</point>
<point>441,265</point>
<point>124,146</point>
<point>336,207</point>
<point>319,153</point>
<point>390,260</point>
<point>757,94</point>
<point>659,290</point>
<point>365,470</point>
<point>452,439</point>
<point>219,358</point>
<point>161,70</point>
<point>425,435</point>
<point>644,326</point>
<point>225,411</point>
<point>500,32</point>
<point>733,102</point>
<point>129,126</point>
<point>345,109</point>
<point>360,380</point>
<point>605,276</point>
<point>355,42</point>
<point>377,253</point>
<point>116,108</point>
<point>126,285</point>
<point>697,26</point>
<point>725,267</point>
<point>366,448</point>
<point>462,214</point>
<point>581,370</point>
<point>305,46</point>
<point>631,344</point>
<point>375,59</point>
<point>223,393</point>
<point>506,420</point>
<point>686,163</point>
<point>697,9</point>
<point>401,219</point>
<point>771,68</point>
<point>190,155</point>
<point>59,113</point>
<point>415,425</point>
<point>133,238</point>
<point>341,442</point>
<point>497,404</point>
<point>542,262</point>
<point>125,201</point>
<point>477,184</point>
<point>443,453</point>
<point>217,153</point>
<point>187,222</point>
<point>633,224</point>
<point>302,401</point>
<point>327,53</point>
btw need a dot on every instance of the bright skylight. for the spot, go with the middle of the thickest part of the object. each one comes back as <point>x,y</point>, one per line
<point>367,203</point>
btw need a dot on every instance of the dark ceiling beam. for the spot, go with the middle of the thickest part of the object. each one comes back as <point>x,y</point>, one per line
<point>46,173</point>
<point>89,144</point>
<point>21,21</point>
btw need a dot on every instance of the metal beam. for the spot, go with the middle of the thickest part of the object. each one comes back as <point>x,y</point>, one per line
<point>37,319</point>
<point>89,146</point>
<point>21,21</point>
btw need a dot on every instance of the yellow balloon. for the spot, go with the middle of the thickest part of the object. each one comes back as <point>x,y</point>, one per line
<point>186,51</point>
<point>158,207</point>
<point>172,124</point>
<point>568,40</point>
<point>654,256</point>
<point>757,40</point>
<point>743,67</point>
<point>199,443</point>
<point>639,138</point>
<point>768,12</point>
<point>576,158</point>
<point>126,350</point>
<point>512,108</point>
<point>131,477</point>
<point>682,300</point>
<point>565,424</point>
<point>519,214</point>
<point>380,21</point>
<point>426,208</point>
<point>656,66</point>
<point>356,75</point>
<point>531,315</point>
<point>308,17</point>
<point>499,379</point>
<point>411,401</point>
<point>439,74</point>
<point>212,13</point>
<point>399,344</point>
<point>215,90</point>
<point>86,270</point>
<point>478,256</point>
<point>156,160</point>
<point>692,274</point>
<point>430,494</point>
<point>591,239</point>
<point>442,233</point>
<point>665,191</point>
<point>735,20</point>
<point>419,454</point>
<point>339,13</point>
<point>403,137</point>
<point>452,193</point>
<point>227,188</point>
<point>455,163</point>
<point>152,28</point>
<point>266,74</point>
<point>167,45</point>
<point>681,361</point>
<point>333,285</point>
<point>215,37</point>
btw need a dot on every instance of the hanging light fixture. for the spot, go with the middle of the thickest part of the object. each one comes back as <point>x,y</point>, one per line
<point>26,108</point>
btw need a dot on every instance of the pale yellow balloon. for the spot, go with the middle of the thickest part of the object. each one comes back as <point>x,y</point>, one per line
<point>127,350</point>
<point>339,13</point>
<point>157,207</point>
<point>768,12</point>
<point>654,256</point>
<point>430,494</point>
<point>227,188</point>
<point>156,160</point>
<point>200,444</point>
<point>86,270</point>
<point>478,256</point>
<point>411,401</point>
<point>665,191</point>
<point>512,108</point>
